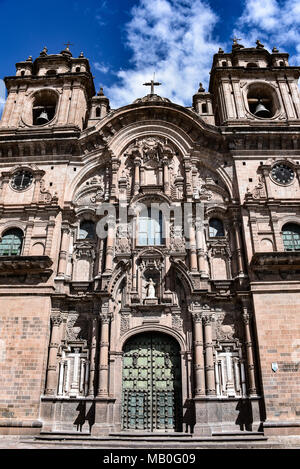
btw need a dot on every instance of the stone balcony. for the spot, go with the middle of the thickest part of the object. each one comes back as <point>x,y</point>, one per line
<point>19,265</point>
<point>287,260</point>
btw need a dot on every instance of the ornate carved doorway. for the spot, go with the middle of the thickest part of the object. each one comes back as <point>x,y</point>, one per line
<point>151,398</point>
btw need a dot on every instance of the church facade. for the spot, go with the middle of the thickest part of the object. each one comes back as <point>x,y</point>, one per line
<point>150,255</point>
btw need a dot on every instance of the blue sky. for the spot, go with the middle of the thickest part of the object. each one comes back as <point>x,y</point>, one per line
<point>127,41</point>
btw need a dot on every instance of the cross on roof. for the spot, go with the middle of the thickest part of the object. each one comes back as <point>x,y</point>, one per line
<point>68,44</point>
<point>235,39</point>
<point>152,83</point>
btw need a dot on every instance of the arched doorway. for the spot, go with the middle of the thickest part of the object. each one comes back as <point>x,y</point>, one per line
<point>151,389</point>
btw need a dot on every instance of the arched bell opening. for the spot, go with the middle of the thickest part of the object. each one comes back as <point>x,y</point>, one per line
<point>44,107</point>
<point>262,100</point>
<point>151,383</point>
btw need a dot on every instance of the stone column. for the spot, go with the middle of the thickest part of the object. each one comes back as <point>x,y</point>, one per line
<point>249,351</point>
<point>94,337</point>
<point>38,175</point>
<point>137,164</point>
<point>201,254</point>
<point>193,253</point>
<point>165,163</point>
<point>199,358</point>
<point>268,186</point>
<point>238,242</point>
<point>62,262</point>
<point>51,382</point>
<point>5,182</point>
<point>27,237</point>
<point>209,355</point>
<point>115,163</point>
<point>110,244</point>
<point>50,231</point>
<point>103,359</point>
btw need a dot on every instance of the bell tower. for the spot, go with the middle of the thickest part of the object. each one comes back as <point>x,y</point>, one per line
<point>252,86</point>
<point>49,92</point>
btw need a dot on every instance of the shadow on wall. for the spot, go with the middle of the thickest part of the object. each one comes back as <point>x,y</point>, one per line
<point>245,417</point>
<point>85,416</point>
<point>189,417</point>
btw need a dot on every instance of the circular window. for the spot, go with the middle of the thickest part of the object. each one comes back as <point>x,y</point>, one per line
<point>21,180</point>
<point>282,173</point>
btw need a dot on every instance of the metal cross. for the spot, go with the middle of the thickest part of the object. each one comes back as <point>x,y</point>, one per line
<point>235,39</point>
<point>152,83</point>
<point>68,45</point>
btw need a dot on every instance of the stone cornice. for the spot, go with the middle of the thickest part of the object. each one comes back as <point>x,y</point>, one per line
<point>286,260</point>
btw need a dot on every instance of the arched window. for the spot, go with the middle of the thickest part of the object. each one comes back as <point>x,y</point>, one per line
<point>97,111</point>
<point>150,227</point>
<point>216,228</point>
<point>87,230</point>
<point>291,237</point>
<point>11,242</point>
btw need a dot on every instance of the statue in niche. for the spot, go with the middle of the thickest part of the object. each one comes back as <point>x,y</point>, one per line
<point>150,289</point>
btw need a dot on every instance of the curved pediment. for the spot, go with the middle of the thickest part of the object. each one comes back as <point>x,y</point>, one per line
<point>186,128</point>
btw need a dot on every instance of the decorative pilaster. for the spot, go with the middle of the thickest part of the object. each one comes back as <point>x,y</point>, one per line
<point>51,381</point>
<point>238,242</point>
<point>249,351</point>
<point>62,263</point>
<point>4,185</point>
<point>201,254</point>
<point>111,228</point>
<point>199,357</point>
<point>165,163</point>
<point>193,252</point>
<point>137,164</point>
<point>94,337</point>
<point>115,163</point>
<point>209,355</point>
<point>103,359</point>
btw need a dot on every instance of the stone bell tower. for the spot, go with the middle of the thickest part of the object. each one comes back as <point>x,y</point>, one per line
<point>253,87</point>
<point>53,91</point>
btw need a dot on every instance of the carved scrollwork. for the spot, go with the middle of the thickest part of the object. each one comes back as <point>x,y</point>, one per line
<point>150,150</point>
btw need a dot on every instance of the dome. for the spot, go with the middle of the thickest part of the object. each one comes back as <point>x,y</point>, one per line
<point>151,98</point>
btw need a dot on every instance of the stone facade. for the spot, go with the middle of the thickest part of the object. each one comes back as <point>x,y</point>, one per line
<point>208,308</point>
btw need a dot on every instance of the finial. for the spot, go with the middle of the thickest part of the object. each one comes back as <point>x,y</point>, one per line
<point>201,89</point>
<point>235,44</point>
<point>220,51</point>
<point>44,51</point>
<point>274,50</point>
<point>81,55</point>
<point>100,92</point>
<point>29,59</point>
<point>259,45</point>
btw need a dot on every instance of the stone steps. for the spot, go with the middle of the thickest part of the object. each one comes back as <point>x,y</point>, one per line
<point>127,440</point>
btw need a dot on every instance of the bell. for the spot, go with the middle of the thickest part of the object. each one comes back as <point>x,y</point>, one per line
<point>261,110</point>
<point>43,118</point>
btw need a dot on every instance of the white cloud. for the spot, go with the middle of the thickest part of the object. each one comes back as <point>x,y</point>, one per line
<point>274,23</point>
<point>101,67</point>
<point>172,38</point>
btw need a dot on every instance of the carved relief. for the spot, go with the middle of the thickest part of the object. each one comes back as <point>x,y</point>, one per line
<point>150,150</point>
<point>259,191</point>
<point>77,328</point>
<point>93,190</point>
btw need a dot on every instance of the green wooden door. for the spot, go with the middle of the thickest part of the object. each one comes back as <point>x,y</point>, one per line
<point>151,399</point>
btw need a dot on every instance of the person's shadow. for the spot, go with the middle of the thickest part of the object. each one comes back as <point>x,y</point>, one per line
<point>245,416</point>
<point>84,416</point>
<point>189,418</point>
